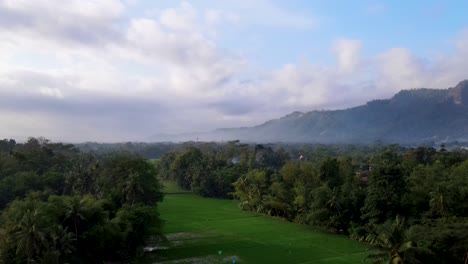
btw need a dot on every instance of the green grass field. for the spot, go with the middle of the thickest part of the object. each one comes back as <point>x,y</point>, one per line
<point>202,230</point>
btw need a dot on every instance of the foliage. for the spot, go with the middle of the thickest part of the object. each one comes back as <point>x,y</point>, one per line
<point>62,206</point>
<point>361,192</point>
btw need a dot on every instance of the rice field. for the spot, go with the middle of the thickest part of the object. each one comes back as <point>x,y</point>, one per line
<point>202,230</point>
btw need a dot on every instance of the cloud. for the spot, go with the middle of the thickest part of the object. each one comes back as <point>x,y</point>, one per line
<point>347,54</point>
<point>87,70</point>
<point>215,16</point>
<point>182,18</point>
<point>399,66</point>
<point>73,21</point>
<point>356,79</point>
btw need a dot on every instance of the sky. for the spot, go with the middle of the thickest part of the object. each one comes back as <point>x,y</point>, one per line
<point>111,71</point>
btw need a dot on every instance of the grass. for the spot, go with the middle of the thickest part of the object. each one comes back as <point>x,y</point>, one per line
<point>198,229</point>
<point>172,187</point>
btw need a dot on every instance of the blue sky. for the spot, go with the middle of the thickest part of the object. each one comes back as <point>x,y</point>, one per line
<point>113,70</point>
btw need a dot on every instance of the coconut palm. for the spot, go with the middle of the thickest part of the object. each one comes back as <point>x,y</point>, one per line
<point>133,188</point>
<point>59,245</point>
<point>438,202</point>
<point>393,244</point>
<point>28,235</point>
<point>75,212</point>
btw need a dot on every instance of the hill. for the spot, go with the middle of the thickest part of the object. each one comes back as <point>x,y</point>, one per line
<point>409,117</point>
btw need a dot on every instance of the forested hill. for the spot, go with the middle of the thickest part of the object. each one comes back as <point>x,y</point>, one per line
<point>409,117</point>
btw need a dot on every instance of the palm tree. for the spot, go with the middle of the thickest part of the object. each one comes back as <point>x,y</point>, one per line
<point>75,208</point>
<point>393,244</point>
<point>28,235</point>
<point>133,189</point>
<point>438,201</point>
<point>82,178</point>
<point>59,245</point>
<point>333,202</point>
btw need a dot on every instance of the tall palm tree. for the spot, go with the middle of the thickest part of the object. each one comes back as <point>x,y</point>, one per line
<point>393,244</point>
<point>133,188</point>
<point>75,212</point>
<point>438,201</point>
<point>28,235</point>
<point>333,202</point>
<point>81,179</point>
<point>59,245</point>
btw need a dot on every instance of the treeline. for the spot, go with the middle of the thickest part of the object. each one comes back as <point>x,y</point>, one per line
<point>410,204</point>
<point>60,205</point>
<point>157,149</point>
<point>145,150</point>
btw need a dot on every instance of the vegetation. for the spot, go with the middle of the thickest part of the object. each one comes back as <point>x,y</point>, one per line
<point>63,206</point>
<point>371,197</point>
<point>198,228</point>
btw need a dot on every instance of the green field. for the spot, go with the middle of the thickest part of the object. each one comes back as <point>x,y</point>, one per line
<point>202,230</point>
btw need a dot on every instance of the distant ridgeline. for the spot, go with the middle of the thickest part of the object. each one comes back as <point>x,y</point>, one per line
<point>409,117</point>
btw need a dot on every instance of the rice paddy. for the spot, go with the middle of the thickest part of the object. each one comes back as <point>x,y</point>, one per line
<point>202,230</point>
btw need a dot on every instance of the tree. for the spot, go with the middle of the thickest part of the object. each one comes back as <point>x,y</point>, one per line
<point>59,246</point>
<point>278,201</point>
<point>75,212</point>
<point>386,187</point>
<point>40,224</point>
<point>164,165</point>
<point>25,227</point>
<point>81,179</point>
<point>323,208</point>
<point>250,190</point>
<point>129,179</point>
<point>330,172</point>
<point>133,189</point>
<point>135,223</point>
<point>445,239</point>
<point>393,244</point>
<point>6,145</point>
<point>189,168</point>
<point>28,235</point>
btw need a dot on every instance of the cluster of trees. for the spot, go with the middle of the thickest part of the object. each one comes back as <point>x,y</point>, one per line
<point>410,204</point>
<point>59,205</point>
<point>145,150</point>
<point>211,169</point>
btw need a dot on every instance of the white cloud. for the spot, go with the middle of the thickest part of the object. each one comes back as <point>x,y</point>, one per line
<point>73,21</point>
<point>52,92</point>
<point>109,77</point>
<point>182,18</point>
<point>348,55</point>
<point>399,68</point>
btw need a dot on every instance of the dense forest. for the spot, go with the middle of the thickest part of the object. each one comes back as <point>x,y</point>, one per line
<point>60,205</point>
<point>408,204</point>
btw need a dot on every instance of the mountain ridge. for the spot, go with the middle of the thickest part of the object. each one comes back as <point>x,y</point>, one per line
<point>410,116</point>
